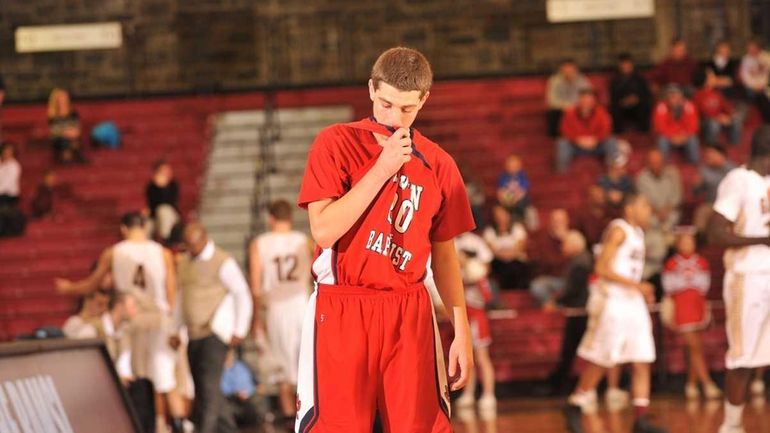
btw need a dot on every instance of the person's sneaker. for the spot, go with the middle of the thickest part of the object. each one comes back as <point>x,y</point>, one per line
<point>711,391</point>
<point>617,399</point>
<point>487,403</point>
<point>724,428</point>
<point>691,391</point>
<point>757,387</point>
<point>465,400</point>
<point>643,425</point>
<point>573,417</point>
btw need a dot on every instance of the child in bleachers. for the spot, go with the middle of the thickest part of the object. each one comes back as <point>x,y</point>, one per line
<point>686,281</point>
<point>513,187</point>
<point>475,258</point>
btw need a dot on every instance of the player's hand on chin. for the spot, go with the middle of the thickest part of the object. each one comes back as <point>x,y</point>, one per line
<point>396,151</point>
<point>460,358</point>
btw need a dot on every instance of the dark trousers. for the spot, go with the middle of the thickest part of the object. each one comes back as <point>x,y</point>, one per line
<point>637,116</point>
<point>211,413</point>
<point>511,275</point>
<point>8,200</point>
<point>553,122</point>
<point>574,328</point>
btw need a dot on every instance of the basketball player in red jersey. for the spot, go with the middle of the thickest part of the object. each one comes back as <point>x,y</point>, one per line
<point>381,199</point>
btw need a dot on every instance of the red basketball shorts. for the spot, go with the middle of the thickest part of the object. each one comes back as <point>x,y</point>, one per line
<point>366,352</point>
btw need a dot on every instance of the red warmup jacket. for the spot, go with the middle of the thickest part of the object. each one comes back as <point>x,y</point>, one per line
<point>668,126</point>
<point>598,124</point>
<point>711,103</point>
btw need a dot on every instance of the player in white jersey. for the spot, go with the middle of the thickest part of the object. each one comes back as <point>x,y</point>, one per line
<point>279,262</point>
<point>619,326</point>
<point>144,269</point>
<point>740,224</point>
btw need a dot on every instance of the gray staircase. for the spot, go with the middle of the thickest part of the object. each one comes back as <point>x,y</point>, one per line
<point>247,169</point>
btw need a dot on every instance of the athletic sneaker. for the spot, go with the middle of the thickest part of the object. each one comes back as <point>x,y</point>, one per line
<point>487,403</point>
<point>757,387</point>
<point>643,425</point>
<point>573,416</point>
<point>731,429</point>
<point>617,399</point>
<point>465,400</point>
<point>488,407</point>
<point>711,391</point>
<point>691,391</point>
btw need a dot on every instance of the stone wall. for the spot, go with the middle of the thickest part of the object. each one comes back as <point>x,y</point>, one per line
<point>214,45</point>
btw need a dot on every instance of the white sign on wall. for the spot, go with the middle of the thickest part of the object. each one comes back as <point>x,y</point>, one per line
<point>68,37</point>
<point>559,11</point>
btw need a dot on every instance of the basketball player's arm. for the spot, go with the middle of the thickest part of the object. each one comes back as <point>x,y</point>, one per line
<point>255,278</point>
<point>90,283</point>
<point>603,267</point>
<point>720,233</point>
<point>446,275</point>
<point>168,260</point>
<point>330,219</point>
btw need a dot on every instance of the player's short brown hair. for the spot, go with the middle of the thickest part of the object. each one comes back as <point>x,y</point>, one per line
<point>406,69</point>
<point>280,210</point>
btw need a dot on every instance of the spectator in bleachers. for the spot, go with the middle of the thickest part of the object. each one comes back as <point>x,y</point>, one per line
<point>677,68</point>
<point>545,254</point>
<point>586,129</point>
<point>755,69</point>
<point>84,323</point>
<point>513,187</point>
<point>508,241</point>
<point>714,168</point>
<point>616,183</point>
<point>725,68</point>
<point>162,195</point>
<point>64,124</point>
<point>593,216</point>
<point>716,113</point>
<point>562,91</point>
<point>216,308</point>
<point>42,202</point>
<point>574,296</point>
<point>10,175</point>
<point>662,186</point>
<point>676,124</point>
<point>630,97</point>
<point>239,388</point>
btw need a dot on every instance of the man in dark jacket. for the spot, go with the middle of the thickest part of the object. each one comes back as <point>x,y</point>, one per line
<point>572,301</point>
<point>630,97</point>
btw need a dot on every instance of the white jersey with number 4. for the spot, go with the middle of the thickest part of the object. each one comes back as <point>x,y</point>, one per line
<point>629,258</point>
<point>743,198</point>
<point>285,259</point>
<point>140,266</point>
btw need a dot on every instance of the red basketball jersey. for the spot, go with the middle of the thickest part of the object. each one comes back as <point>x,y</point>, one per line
<point>388,247</point>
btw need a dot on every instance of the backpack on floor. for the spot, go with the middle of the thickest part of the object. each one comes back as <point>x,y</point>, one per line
<point>106,134</point>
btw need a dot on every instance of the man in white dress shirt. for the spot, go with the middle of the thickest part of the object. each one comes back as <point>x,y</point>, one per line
<point>216,308</point>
